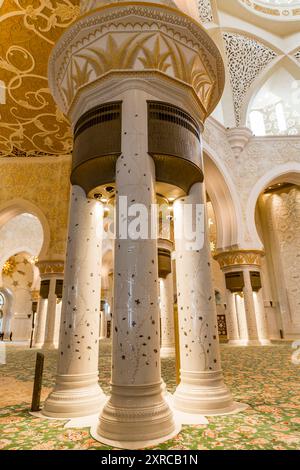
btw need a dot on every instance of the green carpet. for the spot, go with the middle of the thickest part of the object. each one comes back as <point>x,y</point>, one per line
<point>263,377</point>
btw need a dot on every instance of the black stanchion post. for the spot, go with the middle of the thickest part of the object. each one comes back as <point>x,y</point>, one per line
<point>37,386</point>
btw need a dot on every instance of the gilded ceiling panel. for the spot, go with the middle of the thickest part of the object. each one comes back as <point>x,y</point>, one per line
<point>30,122</point>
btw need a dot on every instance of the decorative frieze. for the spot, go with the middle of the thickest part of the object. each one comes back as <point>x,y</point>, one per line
<point>239,258</point>
<point>50,267</point>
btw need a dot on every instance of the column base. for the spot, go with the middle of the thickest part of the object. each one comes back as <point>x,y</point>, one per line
<point>74,396</point>
<point>167,352</point>
<point>136,417</point>
<point>203,393</point>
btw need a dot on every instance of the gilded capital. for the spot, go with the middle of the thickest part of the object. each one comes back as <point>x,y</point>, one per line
<point>141,40</point>
<point>237,258</point>
<point>50,267</point>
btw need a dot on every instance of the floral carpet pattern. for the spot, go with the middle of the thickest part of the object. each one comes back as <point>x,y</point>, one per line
<point>263,377</point>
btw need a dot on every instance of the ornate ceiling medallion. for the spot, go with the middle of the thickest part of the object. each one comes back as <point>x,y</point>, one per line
<point>276,9</point>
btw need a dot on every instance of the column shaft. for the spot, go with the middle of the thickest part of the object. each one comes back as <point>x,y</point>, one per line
<point>136,414</point>
<point>261,320</point>
<point>231,315</point>
<point>167,317</point>
<point>250,309</point>
<point>49,341</point>
<point>77,392</point>
<point>241,317</point>
<point>201,389</point>
<point>41,323</point>
<point>102,325</point>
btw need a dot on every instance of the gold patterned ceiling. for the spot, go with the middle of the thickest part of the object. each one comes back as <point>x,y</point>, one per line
<point>30,122</point>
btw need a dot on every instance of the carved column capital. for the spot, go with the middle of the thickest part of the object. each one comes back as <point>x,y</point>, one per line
<point>239,258</point>
<point>50,268</point>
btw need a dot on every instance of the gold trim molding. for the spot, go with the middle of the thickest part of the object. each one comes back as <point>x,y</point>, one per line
<point>235,258</point>
<point>50,267</point>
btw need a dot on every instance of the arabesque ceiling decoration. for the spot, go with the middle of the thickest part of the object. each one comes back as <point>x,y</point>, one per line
<point>246,59</point>
<point>205,11</point>
<point>30,122</point>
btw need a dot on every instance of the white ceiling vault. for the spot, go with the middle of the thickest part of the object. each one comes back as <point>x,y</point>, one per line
<point>257,38</point>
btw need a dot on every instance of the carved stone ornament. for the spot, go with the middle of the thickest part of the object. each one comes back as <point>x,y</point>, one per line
<point>50,267</point>
<point>141,39</point>
<point>239,258</point>
<point>247,58</point>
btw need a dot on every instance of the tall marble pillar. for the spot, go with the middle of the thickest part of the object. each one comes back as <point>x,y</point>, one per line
<point>241,318</point>
<point>201,389</point>
<point>242,270</point>
<point>167,316</point>
<point>102,325</point>
<point>107,102</point>
<point>136,413</point>
<point>49,341</point>
<point>250,309</point>
<point>231,317</point>
<point>40,323</point>
<point>261,318</point>
<point>77,392</point>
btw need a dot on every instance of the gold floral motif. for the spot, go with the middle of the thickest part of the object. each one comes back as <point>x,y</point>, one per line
<point>30,123</point>
<point>239,258</point>
<point>138,39</point>
<point>50,267</point>
<point>139,51</point>
<point>9,267</point>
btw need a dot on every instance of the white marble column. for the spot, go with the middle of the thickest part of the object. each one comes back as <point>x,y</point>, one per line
<point>57,324</point>
<point>167,316</point>
<point>41,323</point>
<point>137,414</point>
<point>102,325</point>
<point>241,317</point>
<point>250,309</point>
<point>49,341</point>
<point>201,389</point>
<point>231,316</point>
<point>261,320</point>
<point>77,392</point>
